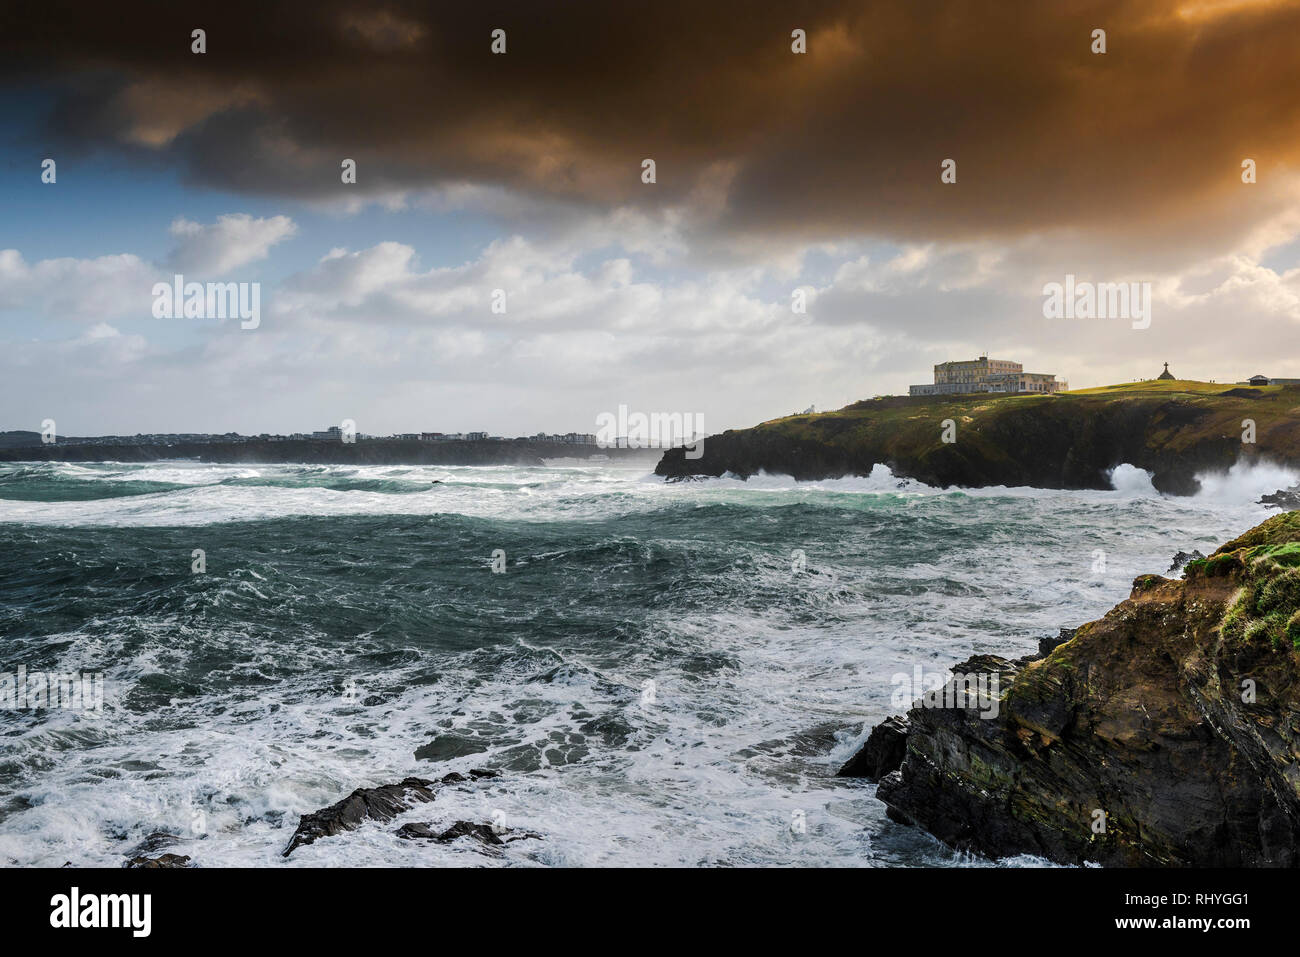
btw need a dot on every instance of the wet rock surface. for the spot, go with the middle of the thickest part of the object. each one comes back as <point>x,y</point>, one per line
<point>162,861</point>
<point>1182,558</point>
<point>154,843</point>
<point>373,804</point>
<point>483,833</point>
<point>377,804</point>
<point>1050,643</point>
<point>1287,499</point>
<point>882,753</point>
<point>447,747</point>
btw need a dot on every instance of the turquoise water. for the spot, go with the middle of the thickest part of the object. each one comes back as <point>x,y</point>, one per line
<point>349,617</point>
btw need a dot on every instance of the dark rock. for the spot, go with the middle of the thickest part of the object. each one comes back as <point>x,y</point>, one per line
<point>882,753</point>
<point>153,843</point>
<point>1049,644</point>
<point>889,783</point>
<point>1182,558</point>
<point>479,832</point>
<point>165,860</point>
<point>379,804</point>
<point>1171,721</point>
<point>1287,499</point>
<point>410,832</point>
<point>483,833</point>
<point>475,774</point>
<point>445,747</point>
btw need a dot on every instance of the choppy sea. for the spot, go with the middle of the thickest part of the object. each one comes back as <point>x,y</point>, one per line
<point>664,674</point>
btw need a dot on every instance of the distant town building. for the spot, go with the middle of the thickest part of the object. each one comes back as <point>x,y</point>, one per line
<point>1269,380</point>
<point>987,375</point>
<point>566,438</point>
<point>333,434</point>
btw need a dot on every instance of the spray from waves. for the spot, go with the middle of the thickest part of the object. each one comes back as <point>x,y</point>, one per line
<point>1131,481</point>
<point>1245,482</point>
<point>881,480</point>
<point>1242,484</point>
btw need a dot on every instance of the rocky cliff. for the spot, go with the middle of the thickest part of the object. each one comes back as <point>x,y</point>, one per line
<point>1165,734</point>
<point>1175,430</point>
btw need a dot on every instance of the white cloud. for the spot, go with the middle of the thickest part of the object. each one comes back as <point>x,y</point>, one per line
<point>66,288</point>
<point>120,286</point>
<point>234,240</point>
<point>595,318</point>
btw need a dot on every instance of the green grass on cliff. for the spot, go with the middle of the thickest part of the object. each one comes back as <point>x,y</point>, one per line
<point>1281,529</point>
<point>1172,386</point>
<point>1267,609</point>
<point>1177,415</point>
<point>1269,400</point>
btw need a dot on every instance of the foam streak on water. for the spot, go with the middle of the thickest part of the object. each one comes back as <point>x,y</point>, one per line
<point>228,709</point>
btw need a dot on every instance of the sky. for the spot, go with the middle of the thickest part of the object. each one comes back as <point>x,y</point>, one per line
<point>483,177</point>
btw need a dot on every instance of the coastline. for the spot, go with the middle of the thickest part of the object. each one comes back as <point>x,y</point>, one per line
<point>1174,430</point>
<point>313,452</point>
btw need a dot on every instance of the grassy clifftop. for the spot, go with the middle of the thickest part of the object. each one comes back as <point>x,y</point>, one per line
<point>1174,429</point>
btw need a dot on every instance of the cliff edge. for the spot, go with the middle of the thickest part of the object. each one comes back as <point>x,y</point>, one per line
<point>1173,429</point>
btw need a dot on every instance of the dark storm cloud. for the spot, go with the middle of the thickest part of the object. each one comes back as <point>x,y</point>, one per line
<point>847,139</point>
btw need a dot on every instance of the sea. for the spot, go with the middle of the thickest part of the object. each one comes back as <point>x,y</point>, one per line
<point>663,674</point>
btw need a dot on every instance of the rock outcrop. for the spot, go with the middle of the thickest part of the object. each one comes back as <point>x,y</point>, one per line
<point>1165,734</point>
<point>371,804</point>
<point>883,752</point>
<point>1182,558</point>
<point>1286,499</point>
<point>1049,644</point>
<point>483,833</point>
<point>162,861</point>
<point>1175,431</point>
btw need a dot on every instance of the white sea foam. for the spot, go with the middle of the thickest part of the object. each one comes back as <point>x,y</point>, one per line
<point>1131,480</point>
<point>529,494</point>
